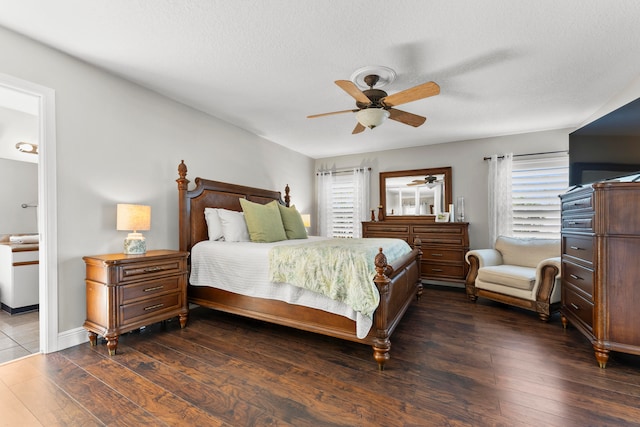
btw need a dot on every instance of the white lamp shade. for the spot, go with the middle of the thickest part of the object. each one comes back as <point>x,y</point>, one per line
<point>306,220</point>
<point>133,217</point>
<point>372,117</point>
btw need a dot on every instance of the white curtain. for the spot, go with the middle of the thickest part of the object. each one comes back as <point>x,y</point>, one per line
<point>324,184</point>
<point>353,183</point>
<point>360,199</point>
<point>500,196</point>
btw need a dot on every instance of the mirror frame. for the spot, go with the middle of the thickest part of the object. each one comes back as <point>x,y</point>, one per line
<point>448,191</point>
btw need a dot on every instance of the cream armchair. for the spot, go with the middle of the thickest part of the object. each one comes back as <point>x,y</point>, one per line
<point>519,272</point>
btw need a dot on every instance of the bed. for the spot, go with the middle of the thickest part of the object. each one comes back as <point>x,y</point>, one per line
<point>398,282</point>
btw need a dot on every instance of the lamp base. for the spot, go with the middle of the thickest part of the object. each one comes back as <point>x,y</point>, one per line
<point>135,244</point>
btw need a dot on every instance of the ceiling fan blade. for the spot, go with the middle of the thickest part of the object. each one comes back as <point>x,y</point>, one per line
<point>424,90</point>
<point>332,113</point>
<point>359,128</point>
<point>406,118</point>
<point>353,90</point>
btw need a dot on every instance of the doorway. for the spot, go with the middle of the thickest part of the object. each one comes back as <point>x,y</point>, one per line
<point>14,90</point>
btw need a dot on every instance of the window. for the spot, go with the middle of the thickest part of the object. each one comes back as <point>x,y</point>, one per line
<point>342,200</point>
<point>536,185</point>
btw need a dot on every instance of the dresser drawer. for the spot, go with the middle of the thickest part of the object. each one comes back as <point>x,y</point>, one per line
<point>442,254</point>
<point>386,227</point>
<point>433,269</point>
<point>144,309</point>
<point>579,203</point>
<point>151,269</point>
<point>578,276</point>
<point>577,306</point>
<point>149,288</point>
<point>578,247</point>
<point>577,223</point>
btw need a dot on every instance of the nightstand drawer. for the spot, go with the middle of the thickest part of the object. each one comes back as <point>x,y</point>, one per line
<point>150,307</point>
<point>147,270</point>
<point>149,288</point>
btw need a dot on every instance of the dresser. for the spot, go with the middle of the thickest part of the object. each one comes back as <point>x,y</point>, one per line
<point>601,267</point>
<point>444,244</point>
<point>127,292</point>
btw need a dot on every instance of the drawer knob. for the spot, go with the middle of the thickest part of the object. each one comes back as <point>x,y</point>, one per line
<point>575,307</point>
<point>575,248</point>
<point>573,276</point>
<point>153,307</point>
<point>155,288</point>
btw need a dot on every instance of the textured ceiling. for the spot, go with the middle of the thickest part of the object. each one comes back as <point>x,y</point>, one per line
<point>504,67</point>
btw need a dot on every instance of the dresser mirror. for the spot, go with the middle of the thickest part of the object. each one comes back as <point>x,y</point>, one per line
<point>417,192</point>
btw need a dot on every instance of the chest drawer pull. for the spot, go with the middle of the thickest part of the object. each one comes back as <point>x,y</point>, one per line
<point>152,269</point>
<point>153,307</point>
<point>573,276</point>
<point>439,270</point>
<point>155,288</point>
<point>436,254</point>
<point>574,306</point>
<point>576,248</point>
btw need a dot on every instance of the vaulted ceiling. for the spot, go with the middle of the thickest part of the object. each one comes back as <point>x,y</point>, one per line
<point>504,67</point>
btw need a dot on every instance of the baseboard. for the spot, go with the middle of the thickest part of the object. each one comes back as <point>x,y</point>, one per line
<point>72,337</point>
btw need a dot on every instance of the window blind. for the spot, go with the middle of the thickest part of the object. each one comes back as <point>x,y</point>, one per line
<point>536,186</point>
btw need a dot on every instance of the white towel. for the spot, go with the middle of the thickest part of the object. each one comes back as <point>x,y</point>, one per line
<point>33,238</point>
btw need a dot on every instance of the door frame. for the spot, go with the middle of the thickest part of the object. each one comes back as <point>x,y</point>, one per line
<point>47,208</point>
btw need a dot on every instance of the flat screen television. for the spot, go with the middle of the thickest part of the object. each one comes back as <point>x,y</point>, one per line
<point>606,148</point>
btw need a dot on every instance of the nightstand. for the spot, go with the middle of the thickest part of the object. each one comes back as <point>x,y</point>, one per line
<point>127,292</point>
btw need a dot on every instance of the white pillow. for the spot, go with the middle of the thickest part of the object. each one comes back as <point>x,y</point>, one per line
<point>214,225</point>
<point>234,227</point>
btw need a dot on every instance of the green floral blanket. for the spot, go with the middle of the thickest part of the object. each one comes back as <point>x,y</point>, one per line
<point>341,269</point>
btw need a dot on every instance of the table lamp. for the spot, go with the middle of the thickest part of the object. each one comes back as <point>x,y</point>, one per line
<point>134,218</point>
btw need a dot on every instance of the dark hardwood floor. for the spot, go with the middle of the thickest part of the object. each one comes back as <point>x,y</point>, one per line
<point>453,363</point>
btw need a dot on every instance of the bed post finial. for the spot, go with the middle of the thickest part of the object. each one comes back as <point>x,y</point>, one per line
<point>381,342</point>
<point>287,197</point>
<point>183,208</point>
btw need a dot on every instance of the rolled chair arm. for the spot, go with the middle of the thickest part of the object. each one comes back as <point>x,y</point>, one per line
<point>486,257</point>
<point>476,259</point>
<point>547,273</point>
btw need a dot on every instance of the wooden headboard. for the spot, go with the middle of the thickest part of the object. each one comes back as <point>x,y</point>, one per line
<point>213,194</point>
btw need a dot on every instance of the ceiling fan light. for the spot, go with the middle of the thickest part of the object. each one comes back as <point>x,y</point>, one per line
<point>372,117</point>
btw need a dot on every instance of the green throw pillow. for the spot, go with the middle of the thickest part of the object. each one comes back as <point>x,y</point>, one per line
<point>263,221</point>
<point>292,221</point>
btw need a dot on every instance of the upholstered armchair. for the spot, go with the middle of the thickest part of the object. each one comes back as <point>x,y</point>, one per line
<point>520,272</point>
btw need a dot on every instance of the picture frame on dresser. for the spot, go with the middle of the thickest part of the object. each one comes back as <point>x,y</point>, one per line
<point>442,217</point>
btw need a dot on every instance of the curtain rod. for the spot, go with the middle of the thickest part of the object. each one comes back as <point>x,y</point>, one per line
<point>324,172</point>
<point>530,154</point>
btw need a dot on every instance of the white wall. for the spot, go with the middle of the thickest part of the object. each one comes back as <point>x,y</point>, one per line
<point>118,142</point>
<point>469,170</point>
<point>19,186</point>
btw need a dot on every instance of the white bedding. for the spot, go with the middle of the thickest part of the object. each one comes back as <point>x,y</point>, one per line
<point>224,264</point>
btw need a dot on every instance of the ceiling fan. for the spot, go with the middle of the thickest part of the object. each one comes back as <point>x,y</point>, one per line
<point>430,181</point>
<point>374,105</point>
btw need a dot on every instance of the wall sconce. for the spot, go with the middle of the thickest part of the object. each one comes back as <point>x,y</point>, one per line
<point>26,147</point>
<point>134,218</point>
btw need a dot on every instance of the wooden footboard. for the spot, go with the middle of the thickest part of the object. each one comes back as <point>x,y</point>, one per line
<point>398,284</point>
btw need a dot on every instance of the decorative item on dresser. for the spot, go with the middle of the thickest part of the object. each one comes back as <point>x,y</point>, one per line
<point>127,292</point>
<point>444,244</point>
<point>600,268</point>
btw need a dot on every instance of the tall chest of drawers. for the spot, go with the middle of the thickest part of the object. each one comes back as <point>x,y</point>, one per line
<point>444,244</point>
<point>601,267</point>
